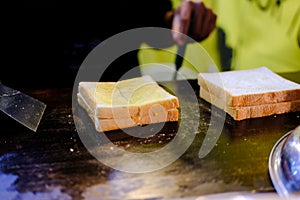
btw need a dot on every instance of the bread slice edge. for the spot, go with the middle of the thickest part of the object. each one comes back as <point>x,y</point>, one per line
<point>246,112</point>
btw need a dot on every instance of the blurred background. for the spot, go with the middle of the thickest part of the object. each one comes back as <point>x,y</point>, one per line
<point>45,42</point>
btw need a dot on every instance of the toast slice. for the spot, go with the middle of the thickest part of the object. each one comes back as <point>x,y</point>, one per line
<point>245,112</point>
<point>108,124</point>
<point>127,98</point>
<point>249,87</point>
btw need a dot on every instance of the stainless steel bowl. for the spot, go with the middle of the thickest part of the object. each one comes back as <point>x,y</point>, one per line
<point>284,165</point>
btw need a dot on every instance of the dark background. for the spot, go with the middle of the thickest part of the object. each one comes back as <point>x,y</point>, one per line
<point>44,42</point>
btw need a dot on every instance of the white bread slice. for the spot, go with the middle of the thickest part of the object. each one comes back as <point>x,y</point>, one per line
<point>108,124</point>
<point>246,112</point>
<point>126,98</point>
<point>249,87</point>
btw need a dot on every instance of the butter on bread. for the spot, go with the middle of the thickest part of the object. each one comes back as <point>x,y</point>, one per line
<point>252,93</point>
<point>250,87</point>
<point>127,103</point>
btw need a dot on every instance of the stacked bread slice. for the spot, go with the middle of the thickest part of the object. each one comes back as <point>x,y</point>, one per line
<point>250,93</point>
<point>127,103</point>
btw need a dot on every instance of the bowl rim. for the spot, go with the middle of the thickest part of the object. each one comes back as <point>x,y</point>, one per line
<point>275,170</point>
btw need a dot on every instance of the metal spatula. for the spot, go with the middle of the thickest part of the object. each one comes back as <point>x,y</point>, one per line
<point>21,107</point>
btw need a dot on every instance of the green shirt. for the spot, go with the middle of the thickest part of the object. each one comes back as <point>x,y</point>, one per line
<point>262,33</point>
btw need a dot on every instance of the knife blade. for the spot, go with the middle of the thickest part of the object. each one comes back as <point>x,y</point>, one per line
<point>21,107</point>
<point>179,58</point>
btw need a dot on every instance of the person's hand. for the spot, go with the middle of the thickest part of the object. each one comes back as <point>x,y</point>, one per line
<point>194,19</point>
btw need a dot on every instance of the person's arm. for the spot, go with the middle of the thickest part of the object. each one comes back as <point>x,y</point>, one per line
<point>191,18</point>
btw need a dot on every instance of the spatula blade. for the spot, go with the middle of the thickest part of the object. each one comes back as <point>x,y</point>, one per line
<point>21,107</point>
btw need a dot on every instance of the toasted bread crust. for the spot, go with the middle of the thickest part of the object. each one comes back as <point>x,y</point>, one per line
<point>114,124</point>
<point>245,112</point>
<point>156,114</point>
